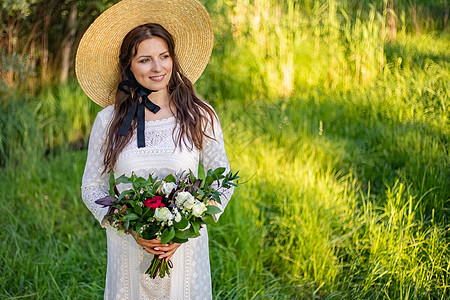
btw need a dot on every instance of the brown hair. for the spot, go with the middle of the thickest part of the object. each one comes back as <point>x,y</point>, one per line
<point>192,114</point>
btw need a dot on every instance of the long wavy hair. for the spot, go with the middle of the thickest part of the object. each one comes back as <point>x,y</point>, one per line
<point>192,115</point>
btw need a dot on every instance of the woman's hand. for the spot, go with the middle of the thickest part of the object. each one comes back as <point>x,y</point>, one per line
<point>155,247</point>
<point>169,251</point>
<point>212,202</point>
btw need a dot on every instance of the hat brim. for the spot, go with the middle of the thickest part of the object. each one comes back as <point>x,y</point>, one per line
<point>97,59</point>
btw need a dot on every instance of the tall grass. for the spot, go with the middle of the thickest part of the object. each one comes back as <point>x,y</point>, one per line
<point>341,137</point>
<point>55,118</point>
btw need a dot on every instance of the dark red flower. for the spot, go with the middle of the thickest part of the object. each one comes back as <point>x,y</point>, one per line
<point>154,202</point>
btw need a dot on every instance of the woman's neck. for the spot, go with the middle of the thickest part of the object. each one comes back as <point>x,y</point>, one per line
<point>160,98</point>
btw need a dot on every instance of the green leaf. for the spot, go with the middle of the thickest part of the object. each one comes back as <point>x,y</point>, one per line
<point>208,219</point>
<point>139,183</point>
<point>151,179</point>
<point>123,179</point>
<point>111,182</point>
<point>124,193</point>
<point>219,171</point>
<point>216,198</point>
<point>167,235</point>
<point>148,213</point>
<point>139,225</point>
<point>229,178</point>
<point>175,239</point>
<point>184,234</point>
<point>196,226</point>
<point>182,224</point>
<point>201,170</point>
<point>150,233</point>
<point>212,210</point>
<point>137,208</point>
<point>131,217</point>
<point>192,178</point>
<point>170,178</point>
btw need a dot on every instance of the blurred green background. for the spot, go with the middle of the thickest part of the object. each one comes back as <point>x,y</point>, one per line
<point>335,112</point>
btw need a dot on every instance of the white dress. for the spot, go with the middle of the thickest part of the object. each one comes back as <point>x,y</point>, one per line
<point>190,276</point>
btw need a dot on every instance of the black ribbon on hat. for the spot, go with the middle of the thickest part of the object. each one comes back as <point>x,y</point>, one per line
<point>139,94</point>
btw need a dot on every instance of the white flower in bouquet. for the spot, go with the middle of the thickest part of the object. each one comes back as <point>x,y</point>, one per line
<point>163,214</point>
<point>178,217</point>
<point>184,199</point>
<point>189,203</point>
<point>168,187</point>
<point>198,209</point>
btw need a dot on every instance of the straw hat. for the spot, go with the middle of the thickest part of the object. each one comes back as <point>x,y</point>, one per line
<point>97,59</point>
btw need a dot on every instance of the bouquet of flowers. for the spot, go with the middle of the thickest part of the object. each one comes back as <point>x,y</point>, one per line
<point>172,209</point>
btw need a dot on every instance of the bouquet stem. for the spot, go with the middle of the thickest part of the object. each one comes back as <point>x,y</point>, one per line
<point>159,266</point>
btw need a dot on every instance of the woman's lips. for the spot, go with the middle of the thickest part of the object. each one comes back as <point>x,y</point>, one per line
<point>157,78</point>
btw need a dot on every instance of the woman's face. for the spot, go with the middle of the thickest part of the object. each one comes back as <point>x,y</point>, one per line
<point>152,65</point>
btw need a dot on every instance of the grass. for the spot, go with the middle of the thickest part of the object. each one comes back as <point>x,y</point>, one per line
<point>345,162</point>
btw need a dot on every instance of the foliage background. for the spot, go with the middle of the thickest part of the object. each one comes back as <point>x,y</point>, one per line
<point>336,113</point>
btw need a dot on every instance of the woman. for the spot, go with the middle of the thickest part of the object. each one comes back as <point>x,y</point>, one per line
<point>154,124</point>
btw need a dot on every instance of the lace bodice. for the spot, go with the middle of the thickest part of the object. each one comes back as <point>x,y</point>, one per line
<point>127,262</point>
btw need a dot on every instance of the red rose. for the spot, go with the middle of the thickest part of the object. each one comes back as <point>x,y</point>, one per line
<point>154,202</point>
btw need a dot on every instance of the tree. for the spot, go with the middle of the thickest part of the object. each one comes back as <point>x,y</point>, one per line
<point>39,38</point>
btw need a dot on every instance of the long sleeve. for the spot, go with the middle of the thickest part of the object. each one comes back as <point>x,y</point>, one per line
<point>95,184</point>
<point>213,156</point>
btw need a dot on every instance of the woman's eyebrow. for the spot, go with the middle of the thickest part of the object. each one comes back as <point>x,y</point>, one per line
<point>151,56</point>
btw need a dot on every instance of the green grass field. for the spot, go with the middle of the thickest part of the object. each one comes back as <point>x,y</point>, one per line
<point>341,139</point>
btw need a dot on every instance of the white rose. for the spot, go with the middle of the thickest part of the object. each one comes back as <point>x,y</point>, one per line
<point>198,209</point>
<point>184,198</point>
<point>189,203</point>
<point>163,214</point>
<point>178,217</point>
<point>167,187</point>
